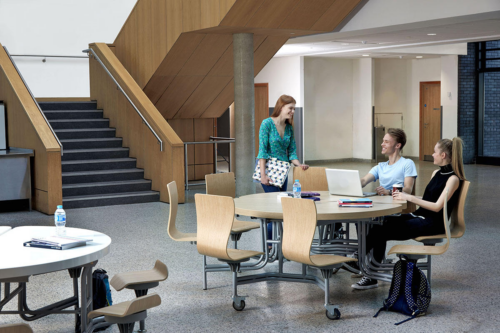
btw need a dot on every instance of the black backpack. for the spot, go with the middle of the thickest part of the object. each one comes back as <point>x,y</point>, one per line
<point>410,291</point>
<point>101,289</point>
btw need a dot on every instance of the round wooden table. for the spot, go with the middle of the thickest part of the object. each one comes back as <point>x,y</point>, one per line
<point>268,206</point>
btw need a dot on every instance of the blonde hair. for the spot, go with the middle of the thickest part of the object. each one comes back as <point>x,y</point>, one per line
<point>453,148</point>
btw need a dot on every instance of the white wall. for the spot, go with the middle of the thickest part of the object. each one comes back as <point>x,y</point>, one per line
<point>381,13</point>
<point>59,27</point>
<point>285,77</point>
<point>328,103</point>
<point>449,94</point>
<point>362,108</point>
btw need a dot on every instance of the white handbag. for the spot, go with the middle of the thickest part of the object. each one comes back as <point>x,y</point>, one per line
<point>276,170</point>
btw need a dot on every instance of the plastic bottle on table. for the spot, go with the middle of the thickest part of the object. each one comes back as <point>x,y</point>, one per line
<point>60,221</point>
<point>296,189</point>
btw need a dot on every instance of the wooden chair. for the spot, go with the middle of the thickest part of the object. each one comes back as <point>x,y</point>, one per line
<point>215,218</point>
<point>416,252</point>
<point>141,282</point>
<point>312,179</point>
<point>173,232</point>
<point>224,184</point>
<point>125,314</point>
<point>16,328</point>
<point>299,223</point>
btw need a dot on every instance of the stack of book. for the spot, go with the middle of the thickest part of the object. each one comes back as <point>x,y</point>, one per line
<point>358,203</point>
<point>57,242</point>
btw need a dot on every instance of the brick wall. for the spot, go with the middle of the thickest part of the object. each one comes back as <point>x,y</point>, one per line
<point>467,108</point>
<point>491,134</point>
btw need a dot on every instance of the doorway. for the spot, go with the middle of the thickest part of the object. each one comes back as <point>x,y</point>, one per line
<point>430,118</point>
<point>261,109</point>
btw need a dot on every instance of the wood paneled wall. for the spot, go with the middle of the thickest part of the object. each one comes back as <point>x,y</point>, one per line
<point>180,51</point>
<point>160,167</point>
<point>27,128</point>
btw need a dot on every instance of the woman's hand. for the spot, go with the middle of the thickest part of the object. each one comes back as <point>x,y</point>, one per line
<point>264,179</point>
<point>303,166</point>
<point>402,196</point>
<point>382,191</point>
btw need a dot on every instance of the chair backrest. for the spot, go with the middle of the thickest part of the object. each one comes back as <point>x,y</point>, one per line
<point>299,224</point>
<point>172,216</point>
<point>221,184</point>
<point>410,206</point>
<point>215,215</point>
<point>457,223</point>
<point>445,221</point>
<point>313,179</point>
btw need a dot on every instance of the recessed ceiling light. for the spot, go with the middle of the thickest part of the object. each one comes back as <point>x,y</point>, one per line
<point>292,33</point>
<point>419,57</point>
<point>345,44</point>
<point>366,55</point>
<point>431,34</point>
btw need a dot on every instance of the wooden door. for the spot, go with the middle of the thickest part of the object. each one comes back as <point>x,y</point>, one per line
<point>261,109</point>
<point>430,118</point>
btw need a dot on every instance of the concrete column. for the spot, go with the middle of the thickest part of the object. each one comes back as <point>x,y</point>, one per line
<point>244,113</point>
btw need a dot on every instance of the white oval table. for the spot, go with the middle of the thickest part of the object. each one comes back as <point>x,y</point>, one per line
<point>18,263</point>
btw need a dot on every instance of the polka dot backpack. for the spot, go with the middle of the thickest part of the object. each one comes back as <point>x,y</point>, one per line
<point>410,292</point>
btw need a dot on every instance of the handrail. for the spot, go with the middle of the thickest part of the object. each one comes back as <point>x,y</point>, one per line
<point>220,138</point>
<point>125,94</point>
<point>34,100</point>
<point>47,56</point>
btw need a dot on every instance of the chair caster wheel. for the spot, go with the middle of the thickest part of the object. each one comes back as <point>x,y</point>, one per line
<point>336,314</point>
<point>239,308</point>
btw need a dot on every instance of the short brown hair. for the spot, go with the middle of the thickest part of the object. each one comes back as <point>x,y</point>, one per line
<point>282,101</point>
<point>399,135</point>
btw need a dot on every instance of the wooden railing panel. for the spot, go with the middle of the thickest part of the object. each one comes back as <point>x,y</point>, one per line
<point>160,167</point>
<point>27,128</point>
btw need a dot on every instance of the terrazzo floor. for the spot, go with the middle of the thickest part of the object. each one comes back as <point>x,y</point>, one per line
<point>465,290</point>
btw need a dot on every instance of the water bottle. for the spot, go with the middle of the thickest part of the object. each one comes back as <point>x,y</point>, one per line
<point>296,189</point>
<point>60,220</point>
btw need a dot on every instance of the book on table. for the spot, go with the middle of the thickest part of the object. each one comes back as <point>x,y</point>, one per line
<point>57,242</point>
<point>358,203</point>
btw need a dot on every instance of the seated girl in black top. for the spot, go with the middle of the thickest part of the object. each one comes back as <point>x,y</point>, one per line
<point>428,219</point>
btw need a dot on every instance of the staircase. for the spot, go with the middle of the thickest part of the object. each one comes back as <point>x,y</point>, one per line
<point>96,169</point>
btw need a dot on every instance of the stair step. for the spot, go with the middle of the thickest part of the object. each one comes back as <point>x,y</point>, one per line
<point>94,154</point>
<point>92,143</point>
<point>99,176</point>
<point>72,114</point>
<point>110,199</point>
<point>99,164</point>
<point>119,186</point>
<point>79,123</point>
<point>85,133</point>
<point>48,106</point>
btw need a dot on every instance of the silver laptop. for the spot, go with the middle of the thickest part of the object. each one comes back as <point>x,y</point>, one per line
<point>345,182</point>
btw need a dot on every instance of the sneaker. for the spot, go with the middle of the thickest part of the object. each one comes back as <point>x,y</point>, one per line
<point>365,283</point>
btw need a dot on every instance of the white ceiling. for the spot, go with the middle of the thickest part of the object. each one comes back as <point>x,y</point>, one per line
<point>399,40</point>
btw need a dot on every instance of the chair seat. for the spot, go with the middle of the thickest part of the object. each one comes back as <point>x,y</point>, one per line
<point>238,255</point>
<point>417,249</point>
<point>243,226</point>
<point>321,260</point>
<point>422,238</point>
<point>123,280</point>
<point>16,328</point>
<point>128,308</point>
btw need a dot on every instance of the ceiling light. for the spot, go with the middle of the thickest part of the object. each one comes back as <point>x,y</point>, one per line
<point>345,44</point>
<point>431,34</point>
<point>366,55</point>
<point>292,33</point>
<point>419,57</point>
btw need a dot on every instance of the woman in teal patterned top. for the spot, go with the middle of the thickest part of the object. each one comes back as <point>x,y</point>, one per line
<point>276,140</point>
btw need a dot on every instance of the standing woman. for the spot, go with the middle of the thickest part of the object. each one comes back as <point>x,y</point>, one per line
<point>276,140</point>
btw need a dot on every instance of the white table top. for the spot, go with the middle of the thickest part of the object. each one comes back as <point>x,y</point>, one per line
<point>4,229</point>
<point>266,205</point>
<point>19,261</point>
